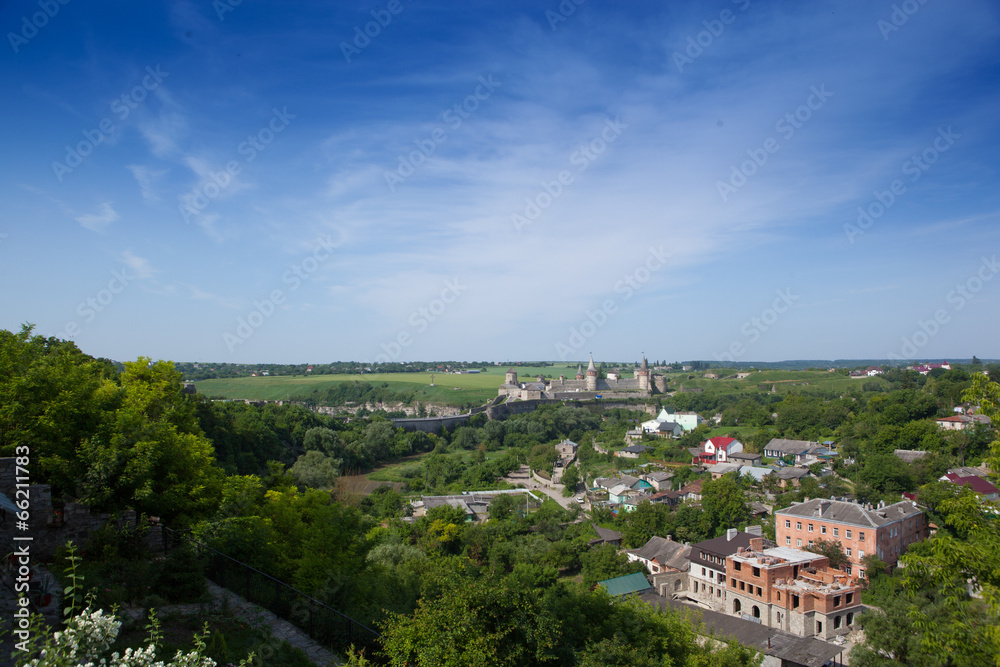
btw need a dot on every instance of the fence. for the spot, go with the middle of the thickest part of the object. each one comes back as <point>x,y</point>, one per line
<point>321,622</point>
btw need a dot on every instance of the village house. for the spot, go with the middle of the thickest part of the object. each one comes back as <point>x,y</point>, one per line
<point>632,451</point>
<point>745,458</point>
<point>983,487</point>
<point>793,590</point>
<point>718,450</point>
<point>961,422</point>
<point>659,480</point>
<point>661,554</point>
<point>800,449</point>
<point>885,530</point>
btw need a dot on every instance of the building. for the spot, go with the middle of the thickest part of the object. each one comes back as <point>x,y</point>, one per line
<point>707,569</point>
<point>632,451</point>
<point>688,421</point>
<point>885,530</point>
<point>792,590</point>
<point>745,458</point>
<point>585,385</point>
<point>720,469</point>
<point>718,449</point>
<point>661,554</point>
<point>779,448</point>
<point>962,422</point>
<point>659,480</point>
<point>981,486</point>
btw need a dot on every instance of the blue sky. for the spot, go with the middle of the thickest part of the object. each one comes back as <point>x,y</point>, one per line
<point>264,182</point>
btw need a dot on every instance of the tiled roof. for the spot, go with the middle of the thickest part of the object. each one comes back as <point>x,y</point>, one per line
<point>665,552</point>
<point>977,484</point>
<point>790,446</point>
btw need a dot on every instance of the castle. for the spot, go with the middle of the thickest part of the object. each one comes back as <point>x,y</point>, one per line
<point>585,385</point>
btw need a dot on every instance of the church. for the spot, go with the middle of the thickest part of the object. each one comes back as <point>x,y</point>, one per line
<point>585,386</point>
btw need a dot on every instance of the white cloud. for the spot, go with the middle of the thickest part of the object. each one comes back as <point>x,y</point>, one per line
<point>99,222</point>
<point>139,265</point>
<point>146,177</point>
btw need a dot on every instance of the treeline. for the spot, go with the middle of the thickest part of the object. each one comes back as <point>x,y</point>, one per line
<point>214,370</point>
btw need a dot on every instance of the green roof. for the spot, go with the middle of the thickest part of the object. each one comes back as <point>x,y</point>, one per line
<point>630,583</point>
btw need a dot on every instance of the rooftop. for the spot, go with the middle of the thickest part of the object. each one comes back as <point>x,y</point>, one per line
<point>852,513</point>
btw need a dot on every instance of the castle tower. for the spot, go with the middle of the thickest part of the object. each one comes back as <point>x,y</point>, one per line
<point>642,374</point>
<point>591,375</point>
<point>511,377</point>
<point>579,372</point>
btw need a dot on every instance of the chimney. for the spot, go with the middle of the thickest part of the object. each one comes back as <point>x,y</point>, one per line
<point>756,543</point>
<point>730,534</point>
<point>755,530</point>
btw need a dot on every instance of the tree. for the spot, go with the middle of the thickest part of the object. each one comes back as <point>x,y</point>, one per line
<point>832,549</point>
<point>570,478</point>
<point>724,503</point>
<point>316,469</point>
<point>605,562</point>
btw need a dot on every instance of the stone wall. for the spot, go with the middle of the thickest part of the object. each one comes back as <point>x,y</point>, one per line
<point>671,584</point>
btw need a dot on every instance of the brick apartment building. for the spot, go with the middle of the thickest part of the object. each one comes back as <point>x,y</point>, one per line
<point>792,590</point>
<point>885,530</point>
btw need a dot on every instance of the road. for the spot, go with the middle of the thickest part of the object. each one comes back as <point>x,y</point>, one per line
<point>521,477</point>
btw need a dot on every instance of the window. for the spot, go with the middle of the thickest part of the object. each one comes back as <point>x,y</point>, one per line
<point>819,627</point>
<point>848,554</point>
<point>737,606</point>
<point>850,619</point>
<point>848,534</point>
<point>861,554</point>
<point>756,572</point>
<point>788,524</point>
<point>810,528</point>
<point>718,593</point>
<point>788,540</point>
<point>822,530</point>
<point>848,599</point>
<point>734,583</point>
<point>779,600</point>
<point>736,565</point>
<point>810,542</point>
<point>711,590</point>
<point>836,622</point>
<point>836,600</point>
<point>861,574</point>
<point>743,586</point>
<point>798,525</point>
<point>861,535</point>
<point>795,602</point>
<point>798,542</point>
<point>760,593</point>
<point>703,572</point>
<point>836,532</point>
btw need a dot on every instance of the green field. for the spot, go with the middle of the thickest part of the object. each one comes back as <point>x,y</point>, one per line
<point>448,389</point>
<point>478,388</point>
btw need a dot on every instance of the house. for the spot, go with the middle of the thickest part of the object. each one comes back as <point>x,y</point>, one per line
<point>629,481</point>
<point>759,510</point>
<point>885,530</point>
<point>630,583</point>
<point>691,492</point>
<point>909,455</point>
<point>962,422</point>
<point>800,449</point>
<point>707,569</point>
<point>661,554</point>
<point>872,371</point>
<point>632,451</point>
<point>718,449</point>
<point>667,430</point>
<point>981,486</point>
<point>720,469</point>
<point>758,473</point>
<point>792,590</point>
<point>791,476</point>
<point>745,458</point>
<point>620,493</point>
<point>965,471</point>
<point>688,421</point>
<point>606,536</point>
<point>567,449</point>
<point>659,480</point>
<point>671,498</point>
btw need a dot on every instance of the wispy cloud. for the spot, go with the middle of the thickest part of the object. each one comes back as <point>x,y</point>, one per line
<point>100,221</point>
<point>139,265</point>
<point>146,178</point>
